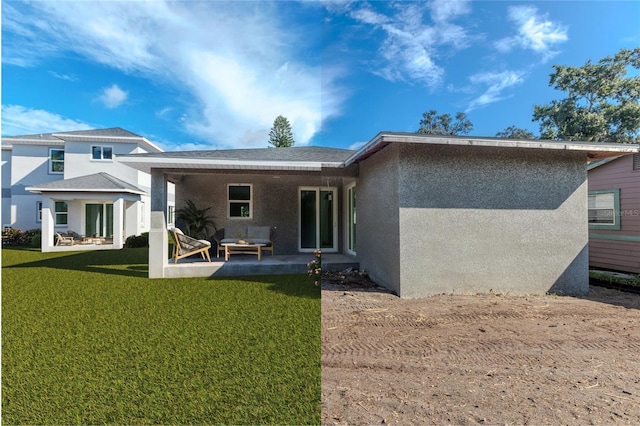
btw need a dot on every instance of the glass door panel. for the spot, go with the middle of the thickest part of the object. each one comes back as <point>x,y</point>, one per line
<point>326,219</point>
<point>308,219</point>
<point>318,227</point>
<point>93,219</point>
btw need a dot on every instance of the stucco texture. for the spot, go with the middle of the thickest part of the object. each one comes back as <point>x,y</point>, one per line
<point>478,219</point>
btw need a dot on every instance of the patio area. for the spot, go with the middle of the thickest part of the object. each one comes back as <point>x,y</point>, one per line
<point>246,264</point>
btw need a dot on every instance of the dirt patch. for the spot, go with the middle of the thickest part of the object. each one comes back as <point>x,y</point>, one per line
<point>478,359</point>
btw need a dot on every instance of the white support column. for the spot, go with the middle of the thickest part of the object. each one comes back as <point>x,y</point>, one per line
<point>118,223</point>
<point>48,225</point>
<point>158,241</point>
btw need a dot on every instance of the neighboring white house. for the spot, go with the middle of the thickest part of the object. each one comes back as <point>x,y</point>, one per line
<point>72,181</point>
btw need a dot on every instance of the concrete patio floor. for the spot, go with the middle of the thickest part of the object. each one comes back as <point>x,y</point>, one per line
<point>246,264</point>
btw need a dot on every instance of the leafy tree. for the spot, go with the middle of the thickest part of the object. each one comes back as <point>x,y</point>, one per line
<point>280,135</point>
<point>433,124</point>
<point>196,221</point>
<point>602,102</point>
<point>513,132</point>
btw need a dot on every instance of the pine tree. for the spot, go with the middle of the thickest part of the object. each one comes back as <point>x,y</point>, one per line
<point>280,135</point>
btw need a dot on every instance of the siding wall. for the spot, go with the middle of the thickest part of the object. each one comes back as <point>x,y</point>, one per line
<point>619,250</point>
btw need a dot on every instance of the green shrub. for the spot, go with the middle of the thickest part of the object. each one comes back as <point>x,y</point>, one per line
<point>17,237</point>
<point>36,241</point>
<point>137,241</point>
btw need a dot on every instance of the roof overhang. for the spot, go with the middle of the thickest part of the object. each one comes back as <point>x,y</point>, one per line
<point>40,190</point>
<point>593,150</point>
<point>167,162</point>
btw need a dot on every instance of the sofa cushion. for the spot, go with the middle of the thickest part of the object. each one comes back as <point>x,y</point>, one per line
<point>258,233</point>
<point>237,232</point>
<point>229,240</point>
<point>260,241</point>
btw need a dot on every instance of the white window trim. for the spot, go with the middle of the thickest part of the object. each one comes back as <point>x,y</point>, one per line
<point>101,159</point>
<point>250,201</point>
<point>615,226</point>
<point>51,161</point>
<point>349,188</point>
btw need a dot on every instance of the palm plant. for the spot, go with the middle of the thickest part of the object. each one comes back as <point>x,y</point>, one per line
<point>196,220</point>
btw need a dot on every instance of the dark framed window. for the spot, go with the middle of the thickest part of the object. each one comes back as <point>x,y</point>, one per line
<point>240,201</point>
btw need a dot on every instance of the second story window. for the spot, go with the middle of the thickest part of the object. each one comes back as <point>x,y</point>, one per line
<point>100,152</point>
<point>56,160</point>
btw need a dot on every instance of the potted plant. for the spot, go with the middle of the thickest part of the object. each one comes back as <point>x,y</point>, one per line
<point>196,220</point>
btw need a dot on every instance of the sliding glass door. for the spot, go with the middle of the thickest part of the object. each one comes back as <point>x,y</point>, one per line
<point>318,219</point>
<point>99,220</point>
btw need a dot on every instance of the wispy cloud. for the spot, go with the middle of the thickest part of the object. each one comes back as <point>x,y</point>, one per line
<point>535,32</point>
<point>113,96</point>
<point>494,83</point>
<point>408,51</point>
<point>19,120</point>
<point>226,58</point>
<point>67,77</point>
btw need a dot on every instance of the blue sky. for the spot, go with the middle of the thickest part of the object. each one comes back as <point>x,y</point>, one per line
<point>203,75</point>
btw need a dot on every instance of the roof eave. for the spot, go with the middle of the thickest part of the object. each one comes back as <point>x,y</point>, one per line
<point>37,190</point>
<point>594,151</point>
<point>146,164</point>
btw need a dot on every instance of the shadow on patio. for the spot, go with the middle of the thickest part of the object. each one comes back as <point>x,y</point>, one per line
<point>245,265</point>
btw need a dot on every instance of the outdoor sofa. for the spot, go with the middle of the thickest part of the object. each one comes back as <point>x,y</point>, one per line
<point>244,235</point>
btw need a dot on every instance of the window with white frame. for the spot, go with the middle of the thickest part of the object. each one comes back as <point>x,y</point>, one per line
<point>240,201</point>
<point>100,152</point>
<point>56,160</point>
<point>604,209</point>
<point>38,211</point>
<point>61,212</point>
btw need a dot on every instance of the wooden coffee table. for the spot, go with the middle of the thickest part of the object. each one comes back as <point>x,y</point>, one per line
<point>234,248</point>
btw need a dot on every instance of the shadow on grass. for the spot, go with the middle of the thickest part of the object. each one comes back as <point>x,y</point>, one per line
<point>125,262</point>
<point>295,285</point>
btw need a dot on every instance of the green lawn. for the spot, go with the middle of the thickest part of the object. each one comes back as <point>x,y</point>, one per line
<point>88,339</point>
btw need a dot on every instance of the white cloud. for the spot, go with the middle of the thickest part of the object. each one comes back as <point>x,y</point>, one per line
<point>112,97</point>
<point>18,120</point>
<point>357,145</point>
<point>535,32</point>
<point>496,83</point>
<point>409,48</point>
<point>445,10</point>
<point>229,57</point>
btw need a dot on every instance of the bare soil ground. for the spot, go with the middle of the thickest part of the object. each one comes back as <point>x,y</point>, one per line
<point>488,359</point>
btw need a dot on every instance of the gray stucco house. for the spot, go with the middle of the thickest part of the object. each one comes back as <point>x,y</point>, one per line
<point>434,214</point>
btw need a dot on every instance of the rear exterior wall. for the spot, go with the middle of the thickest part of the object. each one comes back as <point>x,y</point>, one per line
<point>378,221</point>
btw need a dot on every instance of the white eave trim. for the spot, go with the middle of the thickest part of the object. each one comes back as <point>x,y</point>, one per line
<point>44,142</point>
<point>383,139</point>
<point>37,190</point>
<point>147,163</point>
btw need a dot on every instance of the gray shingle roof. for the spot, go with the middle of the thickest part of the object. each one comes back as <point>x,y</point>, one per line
<point>305,153</point>
<point>113,131</point>
<point>99,182</point>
